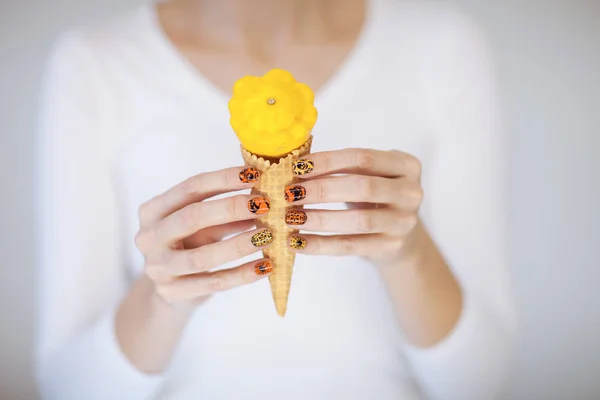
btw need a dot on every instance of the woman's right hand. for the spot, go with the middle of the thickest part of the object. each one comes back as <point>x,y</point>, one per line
<point>181,236</point>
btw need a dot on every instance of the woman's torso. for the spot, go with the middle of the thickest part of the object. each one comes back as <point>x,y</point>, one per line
<point>339,338</point>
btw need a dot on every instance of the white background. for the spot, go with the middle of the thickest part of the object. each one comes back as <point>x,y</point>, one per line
<point>548,53</point>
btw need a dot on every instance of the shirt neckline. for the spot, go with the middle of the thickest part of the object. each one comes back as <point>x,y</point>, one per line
<point>202,84</point>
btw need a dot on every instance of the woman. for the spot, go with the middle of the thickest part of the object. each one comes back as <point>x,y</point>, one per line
<point>148,290</point>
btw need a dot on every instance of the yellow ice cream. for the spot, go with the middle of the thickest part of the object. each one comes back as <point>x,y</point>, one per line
<point>273,114</point>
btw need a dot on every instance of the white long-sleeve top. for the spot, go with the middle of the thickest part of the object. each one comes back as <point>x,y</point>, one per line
<point>124,117</point>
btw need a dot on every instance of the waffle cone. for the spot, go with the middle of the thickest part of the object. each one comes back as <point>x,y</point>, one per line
<point>275,177</point>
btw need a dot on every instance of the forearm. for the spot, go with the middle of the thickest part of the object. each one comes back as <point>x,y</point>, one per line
<point>148,329</point>
<point>426,295</point>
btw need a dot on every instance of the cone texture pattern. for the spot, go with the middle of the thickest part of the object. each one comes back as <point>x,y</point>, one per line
<point>274,178</point>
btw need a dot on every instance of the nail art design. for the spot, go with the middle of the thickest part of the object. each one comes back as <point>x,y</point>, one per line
<point>295,217</point>
<point>259,205</point>
<point>303,167</point>
<point>297,242</point>
<point>262,238</point>
<point>295,193</point>
<point>249,175</point>
<point>263,268</point>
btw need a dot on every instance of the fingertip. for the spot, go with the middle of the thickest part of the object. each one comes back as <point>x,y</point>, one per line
<point>259,205</point>
<point>295,217</point>
<point>303,167</point>
<point>262,239</point>
<point>263,268</point>
<point>297,242</point>
<point>249,175</point>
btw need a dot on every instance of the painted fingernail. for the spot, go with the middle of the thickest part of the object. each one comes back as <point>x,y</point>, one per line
<point>262,238</point>
<point>263,268</point>
<point>295,217</point>
<point>249,175</point>
<point>303,167</point>
<point>295,193</point>
<point>259,205</point>
<point>297,242</point>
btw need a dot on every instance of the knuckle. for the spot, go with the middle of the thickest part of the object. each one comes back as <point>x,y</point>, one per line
<point>397,245</point>
<point>248,276</point>
<point>320,220</point>
<point>316,246</point>
<point>413,165</point>
<point>238,249</point>
<point>322,192</point>
<point>140,240</point>
<point>232,207</point>
<point>145,210</point>
<point>191,186</point>
<point>418,193</point>
<point>228,179</point>
<point>364,222</point>
<point>414,193</point>
<point>191,214</point>
<point>153,271</point>
<point>325,162</point>
<point>364,158</point>
<point>365,185</point>
<point>197,261</point>
<point>345,245</point>
<point>412,220</point>
<point>145,237</point>
<point>216,283</point>
<point>165,293</point>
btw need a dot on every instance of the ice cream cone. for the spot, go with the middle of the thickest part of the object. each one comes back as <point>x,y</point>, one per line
<point>275,177</point>
<point>273,117</point>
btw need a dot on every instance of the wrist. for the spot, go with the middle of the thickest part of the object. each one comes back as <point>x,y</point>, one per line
<point>411,251</point>
<point>177,311</point>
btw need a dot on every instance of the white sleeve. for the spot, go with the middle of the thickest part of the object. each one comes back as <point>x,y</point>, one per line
<point>80,277</point>
<point>464,210</point>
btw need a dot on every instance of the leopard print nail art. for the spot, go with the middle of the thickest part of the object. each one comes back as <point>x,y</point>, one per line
<point>295,217</point>
<point>297,242</point>
<point>249,175</point>
<point>303,167</point>
<point>263,268</point>
<point>262,238</point>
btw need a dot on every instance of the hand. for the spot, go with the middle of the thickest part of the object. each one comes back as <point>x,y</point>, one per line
<point>383,188</point>
<point>180,236</point>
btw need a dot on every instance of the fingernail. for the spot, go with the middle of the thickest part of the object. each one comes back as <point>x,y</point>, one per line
<point>297,242</point>
<point>259,205</point>
<point>303,167</point>
<point>295,193</point>
<point>262,238</point>
<point>249,175</point>
<point>295,217</point>
<point>263,268</point>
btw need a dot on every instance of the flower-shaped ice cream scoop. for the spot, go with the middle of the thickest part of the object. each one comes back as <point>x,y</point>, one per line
<point>273,114</point>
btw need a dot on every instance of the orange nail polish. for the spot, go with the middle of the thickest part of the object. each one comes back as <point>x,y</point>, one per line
<point>259,205</point>
<point>263,268</point>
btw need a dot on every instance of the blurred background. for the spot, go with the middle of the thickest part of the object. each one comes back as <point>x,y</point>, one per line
<point>548,54</point>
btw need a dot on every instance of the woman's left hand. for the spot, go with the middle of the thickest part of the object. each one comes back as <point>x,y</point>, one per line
<point>383,188</point>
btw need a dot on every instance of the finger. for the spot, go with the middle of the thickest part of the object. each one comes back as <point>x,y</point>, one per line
<point>364,245</point>
<point>205,258</point>
<point>356,188</point>
<point>390,164</point>
<point>352,221</point>
<point>190,219</point>
<point>196,189</point>
<point>213,234</point>
<point>199,285</point>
